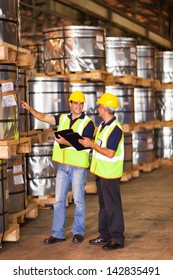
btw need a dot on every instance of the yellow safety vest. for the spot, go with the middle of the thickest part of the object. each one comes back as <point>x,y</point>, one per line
<point>103,166</point>
<point>70,155</point>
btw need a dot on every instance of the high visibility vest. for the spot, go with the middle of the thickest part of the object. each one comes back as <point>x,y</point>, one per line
<point>103,166</point>
<point>70,155</point>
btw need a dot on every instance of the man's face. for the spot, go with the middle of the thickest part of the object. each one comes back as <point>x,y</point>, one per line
<point>77,107</point>
<point>101,109</point>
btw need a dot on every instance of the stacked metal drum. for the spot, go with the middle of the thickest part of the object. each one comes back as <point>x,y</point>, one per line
<point>41,171</point>
<point>74,48</point>
<point>163,104</point>
<point>121,56</point>
<point>9,114</point>
<point>47,95</point>
<point>16,183</point>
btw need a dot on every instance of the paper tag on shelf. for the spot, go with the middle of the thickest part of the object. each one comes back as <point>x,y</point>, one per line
<point>8,101</point>
<point>5,87</point>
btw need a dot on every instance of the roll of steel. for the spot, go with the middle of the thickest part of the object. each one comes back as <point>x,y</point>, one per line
<point>22,93</point>
<point>8,72</point>
<point>164,66</point>
<point>16,184</point>
<point>145,62</point>
<point>74,48</point>
<point>3,197</point>
<point>164,105</point>
<point>48,95</point>
<point>163,142</point>
<point>9,116</point>
<point>9,21</point>
<point>125,95</point>
<point>92,91</point>
<point>40,170</point>
<point>38,52</point>
<point>143,146</point>
<point>128,152</point>
<point>121,56</point>
<point>144,104</point>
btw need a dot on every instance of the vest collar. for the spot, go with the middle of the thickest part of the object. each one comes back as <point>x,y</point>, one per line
<point>108,123</point>
<point>82,116</point>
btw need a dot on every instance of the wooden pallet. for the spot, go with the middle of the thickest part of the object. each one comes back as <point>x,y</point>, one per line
<point>164,86</point>
<point>134,173</point>
<point>49,74</point>
<point>125,80</point>
<point>141,82</point>
<point>166,161</point>
<point>156,84</point>
<point>48,135</point>
<point>160,124</point>
<point>93,75</point>
<point>19,217</point>
<point>145,125</point>
<point>12,234</point>
<point>24,146</point>
<point>12,54</point>
<point>35,135</point>
<point>90,187</point>
<point>8,148</point>
<point>47,201</point>
<point>148,167</point>
<point>127,127</point>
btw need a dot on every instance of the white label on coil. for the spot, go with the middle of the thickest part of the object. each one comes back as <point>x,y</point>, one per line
<point>18,180</point>
<point>5,87</point>
<point>150,140</point>
<point>99,38</point>
<point>17,168</point>
<point>99,42</point>
<point>133,50</point>
<point>8,101</point>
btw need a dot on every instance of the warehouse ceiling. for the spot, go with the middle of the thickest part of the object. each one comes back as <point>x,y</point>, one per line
<point>150,21</point>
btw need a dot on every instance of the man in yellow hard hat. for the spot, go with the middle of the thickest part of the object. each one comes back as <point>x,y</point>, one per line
<point>72,167</point>
<point>107,165</point>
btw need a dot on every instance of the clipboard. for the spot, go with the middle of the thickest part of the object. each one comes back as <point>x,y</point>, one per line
<point>63,134</point>
<point>72,137</point>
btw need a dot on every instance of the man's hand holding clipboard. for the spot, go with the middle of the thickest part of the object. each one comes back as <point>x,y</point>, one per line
<point>70,136</point>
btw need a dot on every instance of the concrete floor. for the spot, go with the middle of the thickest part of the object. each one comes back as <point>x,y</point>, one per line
<point>148,213</point>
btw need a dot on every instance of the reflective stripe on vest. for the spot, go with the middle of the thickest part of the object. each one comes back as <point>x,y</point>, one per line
<point>70,155</point>
<point>103,166</point>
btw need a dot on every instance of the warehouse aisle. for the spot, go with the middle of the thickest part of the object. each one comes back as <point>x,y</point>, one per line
<point>148,213</point>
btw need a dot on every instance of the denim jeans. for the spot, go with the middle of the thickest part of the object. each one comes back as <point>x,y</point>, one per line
<point>75,177</point>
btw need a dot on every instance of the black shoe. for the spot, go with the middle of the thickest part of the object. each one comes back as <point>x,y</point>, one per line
<point>52,240</point>
<point>77,238</point>
<point>112,246</point>
<point>97,241</point>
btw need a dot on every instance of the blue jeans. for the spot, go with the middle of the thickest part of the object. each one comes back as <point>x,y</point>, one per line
<point>75,177</point>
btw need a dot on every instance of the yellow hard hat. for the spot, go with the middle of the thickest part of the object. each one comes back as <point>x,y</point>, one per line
<point>77,96</point>
<point>109,100</point>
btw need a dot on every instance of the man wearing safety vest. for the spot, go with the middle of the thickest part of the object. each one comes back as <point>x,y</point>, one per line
<point>107,165</point>
<point>72,167</point>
